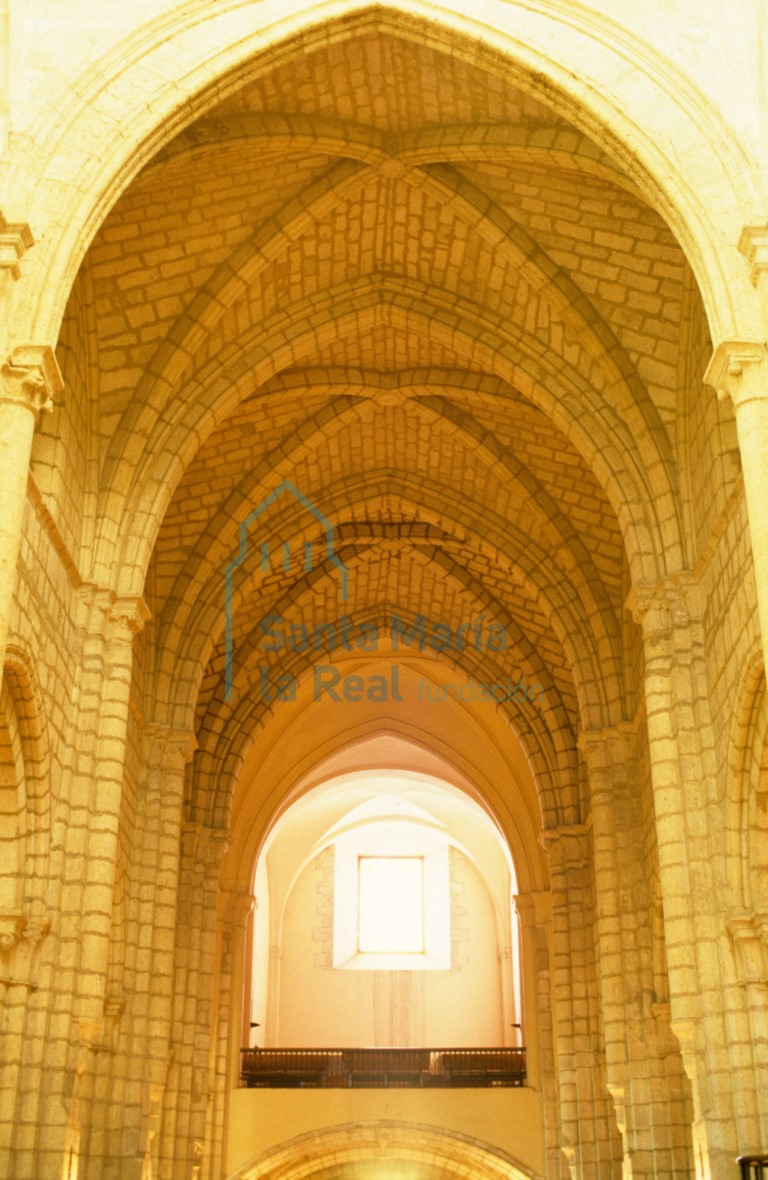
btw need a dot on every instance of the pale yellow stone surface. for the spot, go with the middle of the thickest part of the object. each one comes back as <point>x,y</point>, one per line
<point>488,283</point>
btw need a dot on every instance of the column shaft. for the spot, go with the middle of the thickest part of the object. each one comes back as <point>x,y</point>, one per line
<point>166,754</point>
<point>683,778</point>
<point>28,379</point>
<point>590,1140</point>
<point>182,1144</point>
<point>18,980</point>
<point>739,373</point>
<point>638,1064</point>
<point>105,695</point>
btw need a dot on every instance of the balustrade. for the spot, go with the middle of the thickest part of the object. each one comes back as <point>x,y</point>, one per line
<point>382,1068</point>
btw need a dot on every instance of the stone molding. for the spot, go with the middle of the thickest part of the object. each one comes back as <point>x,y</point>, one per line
<point>15,240</point>
<point>748,933</point>
<point>568,846</point>
<point>534,908</point>
<point>238,908</point>
<point>604,749</point>
<point>753,244</point>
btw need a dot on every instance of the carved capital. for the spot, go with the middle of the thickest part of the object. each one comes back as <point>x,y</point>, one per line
<point>15,240</point>
<point>127,617</point>
<point>88,1039</point>
<point>569,846</point>
<point>170,749</point>
<point>93,605</point>
<point>687,1033</point>
<point>672,602</point>
<point>30,378</point>
<point>213,846</point>
<point>739,371</point>
<point>206,846</point>
<point>103,615</point>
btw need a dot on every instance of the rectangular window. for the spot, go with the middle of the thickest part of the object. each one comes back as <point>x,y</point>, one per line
<point>390,905</point>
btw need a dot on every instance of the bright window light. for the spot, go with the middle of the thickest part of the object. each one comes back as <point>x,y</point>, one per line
<point>390,905</point>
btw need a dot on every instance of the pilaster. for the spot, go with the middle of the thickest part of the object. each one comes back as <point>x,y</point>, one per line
<point>589,1140</point>
<point>683,774</point>
<point>21,935</point>
<point>166,753</point>
<point>642,1077</point>
<point>202,853</point>
<point>109,626</point>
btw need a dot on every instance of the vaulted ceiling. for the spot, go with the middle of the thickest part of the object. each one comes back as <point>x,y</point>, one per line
<point>387,274</point>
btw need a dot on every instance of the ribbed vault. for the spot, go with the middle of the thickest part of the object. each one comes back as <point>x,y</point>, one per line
<point>412,285</point>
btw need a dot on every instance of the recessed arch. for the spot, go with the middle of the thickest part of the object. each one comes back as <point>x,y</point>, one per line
<point>445,1154</point>
<point>385,811</point>
<point>502,787</point>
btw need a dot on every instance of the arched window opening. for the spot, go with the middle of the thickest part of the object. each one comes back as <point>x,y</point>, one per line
<point>384,919</point>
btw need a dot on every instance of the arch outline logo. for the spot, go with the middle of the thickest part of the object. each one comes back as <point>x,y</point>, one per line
<point>286,487</point>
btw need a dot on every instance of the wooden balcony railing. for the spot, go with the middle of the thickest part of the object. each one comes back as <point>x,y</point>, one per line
<point>753,1167</point>
<point>381,1068</point>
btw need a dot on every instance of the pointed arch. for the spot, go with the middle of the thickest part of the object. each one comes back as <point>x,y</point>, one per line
<point>198,56</point>
<point>441,1154</point>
